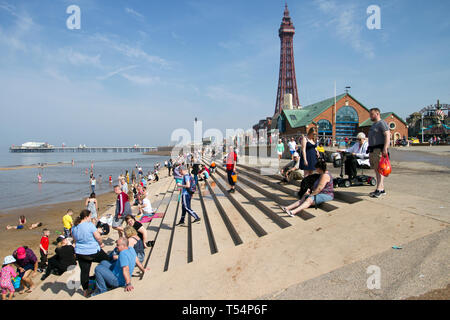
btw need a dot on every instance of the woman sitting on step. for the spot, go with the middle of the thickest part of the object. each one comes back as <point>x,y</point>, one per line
<point>322,191</point>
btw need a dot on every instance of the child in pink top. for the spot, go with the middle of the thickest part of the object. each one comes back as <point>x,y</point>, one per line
<point>5,277</point>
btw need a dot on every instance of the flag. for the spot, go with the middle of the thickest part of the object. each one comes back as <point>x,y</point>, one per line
<point>440,113</point>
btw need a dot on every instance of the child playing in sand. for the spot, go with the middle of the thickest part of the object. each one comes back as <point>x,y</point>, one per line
<point>68,223</point>
<point>43,249</point>
<point>22,221</point>
<point>7,273</point>
<point>35,225</point>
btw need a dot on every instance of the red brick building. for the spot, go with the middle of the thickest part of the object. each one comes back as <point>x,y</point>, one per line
<point>351,117</point>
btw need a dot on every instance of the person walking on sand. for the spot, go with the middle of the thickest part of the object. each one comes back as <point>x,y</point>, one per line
<point>93,183</point>
<point>92,205</point>
<point>379,140</point>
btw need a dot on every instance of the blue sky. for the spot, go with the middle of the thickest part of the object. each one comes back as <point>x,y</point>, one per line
<point>137,70</point>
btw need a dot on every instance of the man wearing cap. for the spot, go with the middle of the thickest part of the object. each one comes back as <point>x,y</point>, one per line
<point>28,265</point>
<point>358,155</point>
<point>63,258</point>
<point>291,171</point>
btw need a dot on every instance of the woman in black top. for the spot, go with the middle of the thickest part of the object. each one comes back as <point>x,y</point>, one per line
<point>142,233</point>
<point>63,258</point>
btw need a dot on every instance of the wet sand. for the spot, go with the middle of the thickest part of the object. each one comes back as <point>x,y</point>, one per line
<point>51,217</point>
<point>35,166</point>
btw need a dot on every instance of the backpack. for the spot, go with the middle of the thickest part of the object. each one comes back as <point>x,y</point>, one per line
<point>192,186</point>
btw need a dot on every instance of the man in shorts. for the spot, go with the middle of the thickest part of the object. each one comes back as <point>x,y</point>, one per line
<point>292,146</point>
<point>379,140</point>
<point>123,208</point>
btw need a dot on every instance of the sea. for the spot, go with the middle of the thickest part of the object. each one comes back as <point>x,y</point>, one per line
<point>20,187</point>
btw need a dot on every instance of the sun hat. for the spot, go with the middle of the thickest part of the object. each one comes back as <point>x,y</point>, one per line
<point>9,259</point>
<point>361,135</point>
<point>21,253</point>
<point>296,154</point>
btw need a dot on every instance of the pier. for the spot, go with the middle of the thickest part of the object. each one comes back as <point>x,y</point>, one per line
<point>21,149</point>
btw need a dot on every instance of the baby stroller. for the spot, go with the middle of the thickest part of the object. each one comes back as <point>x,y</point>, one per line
<point>358,180</point>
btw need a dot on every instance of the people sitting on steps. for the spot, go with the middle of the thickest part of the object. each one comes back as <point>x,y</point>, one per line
<point>291,171</point>
<point>63,258</point>
<point>113,275</point>
<point>321,192</point>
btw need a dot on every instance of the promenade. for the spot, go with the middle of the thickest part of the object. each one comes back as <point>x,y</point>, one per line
<point>245,247</point>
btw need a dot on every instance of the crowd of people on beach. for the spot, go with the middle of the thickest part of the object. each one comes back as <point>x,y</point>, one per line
<point>81,242</point>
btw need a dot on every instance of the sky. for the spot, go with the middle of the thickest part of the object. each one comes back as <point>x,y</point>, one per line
<point>137,70</point>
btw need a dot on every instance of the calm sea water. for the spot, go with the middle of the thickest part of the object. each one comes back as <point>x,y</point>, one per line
<point>63,183</point>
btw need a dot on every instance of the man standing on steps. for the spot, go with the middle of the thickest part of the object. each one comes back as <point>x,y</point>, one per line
<point>379,140</point>
<point>123,208</point>
<point>231,168</point>
<point>186,196</point>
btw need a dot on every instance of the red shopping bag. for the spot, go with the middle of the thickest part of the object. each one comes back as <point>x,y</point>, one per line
<point>384,167</point>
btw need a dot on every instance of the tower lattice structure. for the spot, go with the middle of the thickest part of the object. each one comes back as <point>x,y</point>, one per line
<point>287,82</point>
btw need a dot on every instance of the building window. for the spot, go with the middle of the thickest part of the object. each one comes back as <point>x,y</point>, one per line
<point>347,121</point>
<point>324,127</point>
<point>392,125</point>
<point>293,117</point>
<point>347,114</point>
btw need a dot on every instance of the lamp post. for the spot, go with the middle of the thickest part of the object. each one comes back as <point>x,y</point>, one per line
<point>422,127</point>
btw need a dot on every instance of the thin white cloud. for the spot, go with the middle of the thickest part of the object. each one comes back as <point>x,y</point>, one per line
<point>223,94</point>
<point>118,71</point>
<point>141,80</point>
<point>13,37</point>
<point>132,52</point>
<point>55,74</point>
<point>78,58</point>
<point>133,12</point>
<point>345,21</point>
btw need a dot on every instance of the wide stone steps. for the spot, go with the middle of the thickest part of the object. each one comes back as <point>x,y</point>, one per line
<point>228,220</point>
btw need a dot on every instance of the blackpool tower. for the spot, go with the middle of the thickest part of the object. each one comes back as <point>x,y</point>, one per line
<point>287,82</point>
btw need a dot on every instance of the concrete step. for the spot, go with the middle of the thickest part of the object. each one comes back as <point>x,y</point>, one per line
<point>283,255</point>
<point>199,242</point>
<point>157,259</point>
<point>220,233</point>
<point>242,227</point>
<point>263,220</point>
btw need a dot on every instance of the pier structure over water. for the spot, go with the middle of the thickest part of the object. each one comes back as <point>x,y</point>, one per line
<point>21,149</point>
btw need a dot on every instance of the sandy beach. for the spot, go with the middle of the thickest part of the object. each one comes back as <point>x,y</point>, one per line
<point>51,217</point>
<point>34,166</point>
